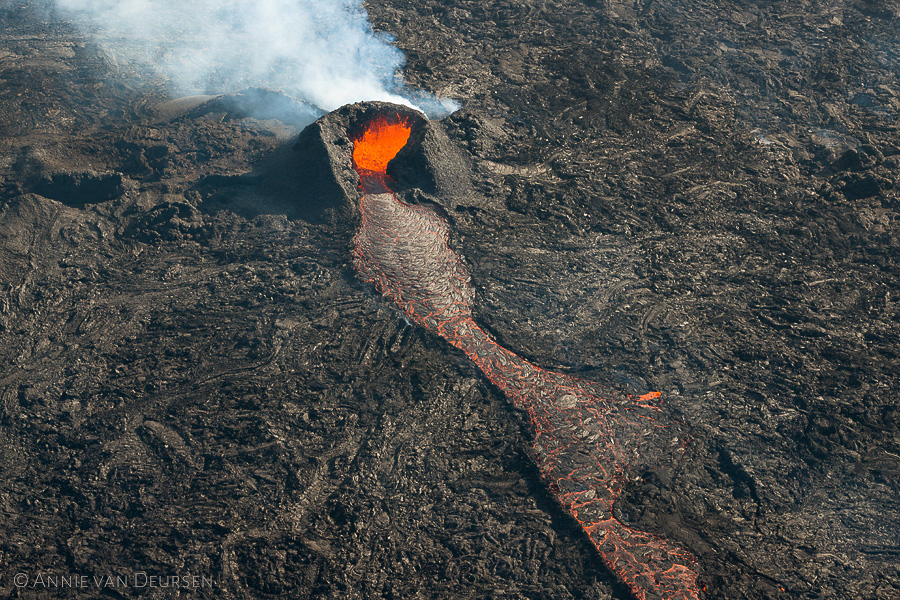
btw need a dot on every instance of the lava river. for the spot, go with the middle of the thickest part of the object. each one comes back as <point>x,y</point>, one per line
<point>584,438</point>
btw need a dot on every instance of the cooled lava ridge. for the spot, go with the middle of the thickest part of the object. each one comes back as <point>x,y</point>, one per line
<point>584,439</point>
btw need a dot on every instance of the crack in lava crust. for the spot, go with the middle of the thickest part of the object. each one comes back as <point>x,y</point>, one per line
<point>584,439</point>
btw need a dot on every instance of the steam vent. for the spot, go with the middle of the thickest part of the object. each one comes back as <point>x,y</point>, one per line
<point>584,439</point>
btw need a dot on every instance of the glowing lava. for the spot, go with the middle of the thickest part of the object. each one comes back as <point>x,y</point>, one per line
<point>584,438</point>
<point>379,143</point>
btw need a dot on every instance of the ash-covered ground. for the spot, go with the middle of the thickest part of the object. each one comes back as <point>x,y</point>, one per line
<point>699,198</point>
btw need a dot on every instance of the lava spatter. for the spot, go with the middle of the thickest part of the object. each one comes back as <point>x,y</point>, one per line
<point>585,439</point>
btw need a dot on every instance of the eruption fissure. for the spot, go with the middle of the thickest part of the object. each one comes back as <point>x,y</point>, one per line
<point>584,438</point>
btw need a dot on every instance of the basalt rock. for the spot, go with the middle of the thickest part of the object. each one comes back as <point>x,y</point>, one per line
<point>699,199</point>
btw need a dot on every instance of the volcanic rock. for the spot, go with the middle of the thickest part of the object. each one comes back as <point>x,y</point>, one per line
<point>694,198</point>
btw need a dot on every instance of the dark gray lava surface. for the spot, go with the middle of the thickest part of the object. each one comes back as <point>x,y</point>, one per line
<point>696,197</point>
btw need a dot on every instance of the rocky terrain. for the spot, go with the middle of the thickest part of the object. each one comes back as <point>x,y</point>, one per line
<point>698,198</point>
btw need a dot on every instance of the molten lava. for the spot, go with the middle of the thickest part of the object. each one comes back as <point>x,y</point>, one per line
<point>379,143</point>
<point>584,438</point>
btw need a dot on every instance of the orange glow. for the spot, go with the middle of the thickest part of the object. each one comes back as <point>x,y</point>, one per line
<point>379,143</point>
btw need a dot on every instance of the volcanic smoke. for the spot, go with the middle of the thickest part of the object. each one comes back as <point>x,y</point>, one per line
<point>323,52</point>
<point>584,438</point>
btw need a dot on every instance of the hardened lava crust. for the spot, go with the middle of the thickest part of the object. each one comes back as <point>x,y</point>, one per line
<point>696,198</point>
<point>584,439</point>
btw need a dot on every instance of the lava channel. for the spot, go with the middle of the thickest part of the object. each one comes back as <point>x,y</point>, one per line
<point>584,438</point>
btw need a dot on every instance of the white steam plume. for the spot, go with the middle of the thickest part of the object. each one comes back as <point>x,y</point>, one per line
<point>322,51</point>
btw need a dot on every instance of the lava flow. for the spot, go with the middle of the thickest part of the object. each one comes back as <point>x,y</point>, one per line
<point>584,439</point>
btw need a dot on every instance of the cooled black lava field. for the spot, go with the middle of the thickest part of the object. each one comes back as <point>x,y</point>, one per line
<point>699,198</point>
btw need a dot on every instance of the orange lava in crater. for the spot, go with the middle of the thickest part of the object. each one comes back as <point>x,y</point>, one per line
<point>379,143</point>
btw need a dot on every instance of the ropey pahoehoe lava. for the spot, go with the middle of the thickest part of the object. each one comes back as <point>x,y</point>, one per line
<point>584,438</point>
